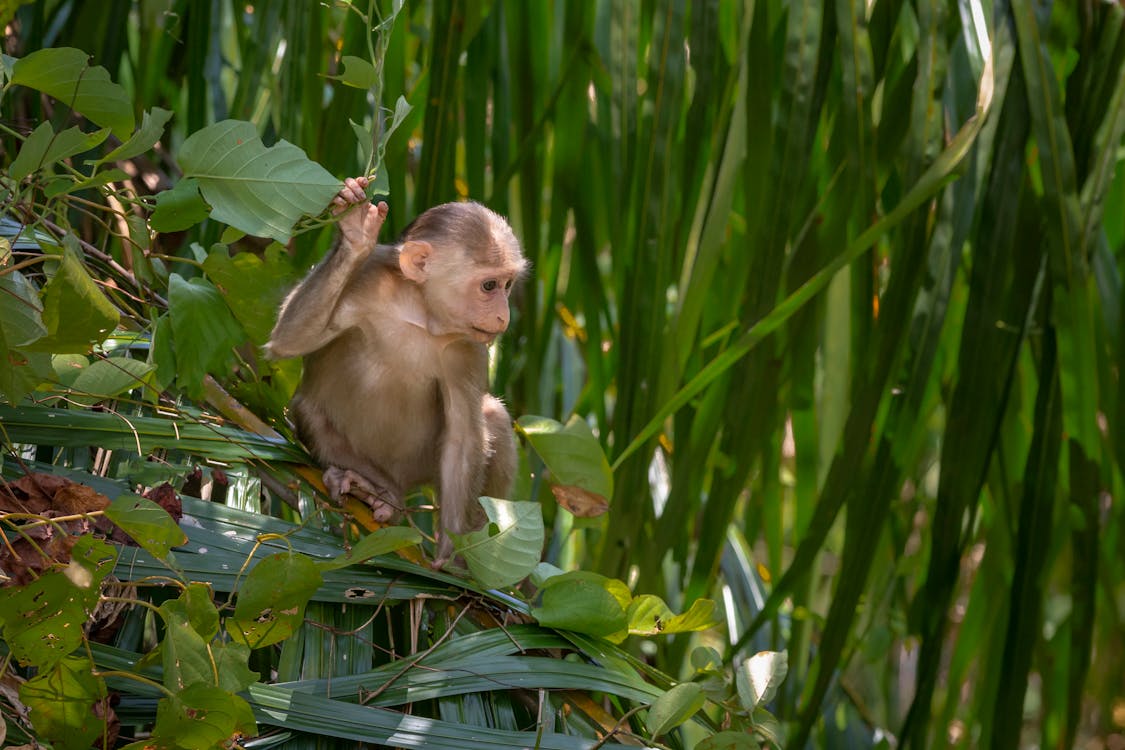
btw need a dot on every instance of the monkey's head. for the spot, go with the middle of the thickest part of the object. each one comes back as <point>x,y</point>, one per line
<point>466,260</point>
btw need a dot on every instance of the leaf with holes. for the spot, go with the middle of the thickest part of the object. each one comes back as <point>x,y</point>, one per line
<point>146,523</point>
<point>61,702</point>
<point>271,603</point>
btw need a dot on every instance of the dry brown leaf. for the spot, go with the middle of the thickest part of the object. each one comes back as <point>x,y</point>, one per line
<point>582,503</point>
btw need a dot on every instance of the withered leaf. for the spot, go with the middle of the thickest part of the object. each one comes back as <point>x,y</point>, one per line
<point>582,503</point>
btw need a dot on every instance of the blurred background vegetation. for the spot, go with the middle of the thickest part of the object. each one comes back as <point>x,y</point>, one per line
<point>859,385</point>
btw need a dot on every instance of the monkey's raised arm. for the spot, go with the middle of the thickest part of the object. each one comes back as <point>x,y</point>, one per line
<point>308,317</point>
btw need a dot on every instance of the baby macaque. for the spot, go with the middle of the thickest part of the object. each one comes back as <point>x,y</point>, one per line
<point>395,344</point>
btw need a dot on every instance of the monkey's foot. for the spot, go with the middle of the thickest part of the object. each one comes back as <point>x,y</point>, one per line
<point>383,504</point>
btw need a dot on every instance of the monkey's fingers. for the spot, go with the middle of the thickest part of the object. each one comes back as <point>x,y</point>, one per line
<point>353,192</point>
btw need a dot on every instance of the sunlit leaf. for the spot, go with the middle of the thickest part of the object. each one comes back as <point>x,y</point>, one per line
<point>379,542</point>
<point>759,676</point>
<point>508,548</point>
<point>572,453</point>
<point>146,523</point>
<point>75,310</point>
<point>107,378</point>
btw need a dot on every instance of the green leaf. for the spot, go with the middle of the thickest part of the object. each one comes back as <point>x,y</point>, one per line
<point>65,185</point>
<point>184,652</point>
<point>379,542</point>
<point>61,703</point>
<point>649,615</point>
<point>759,676</point>
<point>43,620</point>
<point>200,609</point>
<point>202,717</point>
<point>68,367</point>
<point>179,208</point>
<point>146,523</point>
<point>253,285</point>
<point>262,191</point>
<point>65,74</point>
<point>572,453</point>
<point>357,72</point>
<point>675,707</point>
<point>204,331</point>
<point>506,550</point>
<point>232,663</point>
<point>365,139</point>
<point>271,602</point>
<point>152,127</point>
<point>44,147</point>
<point>75,310</point>
<point>21,314</point>
<point>728,740</point>
<point>108,378</point>
<point>585,602</point>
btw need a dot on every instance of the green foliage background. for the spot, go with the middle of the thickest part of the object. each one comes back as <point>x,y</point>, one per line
<point>837,285</point>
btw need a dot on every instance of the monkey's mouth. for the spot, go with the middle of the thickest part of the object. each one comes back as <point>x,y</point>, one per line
<point>486,336</point>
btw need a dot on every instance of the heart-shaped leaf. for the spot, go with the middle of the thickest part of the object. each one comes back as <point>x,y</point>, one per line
<point>506,550</point>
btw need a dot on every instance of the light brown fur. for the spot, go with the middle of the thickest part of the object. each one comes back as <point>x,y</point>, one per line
<point>394,339</point>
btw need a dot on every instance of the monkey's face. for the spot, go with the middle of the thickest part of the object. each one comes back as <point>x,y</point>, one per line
<point>469,301</point>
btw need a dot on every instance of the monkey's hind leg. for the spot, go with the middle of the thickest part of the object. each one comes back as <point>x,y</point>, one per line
<point>385,505</point>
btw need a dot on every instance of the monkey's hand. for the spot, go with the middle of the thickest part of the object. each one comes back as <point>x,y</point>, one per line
<point>361,221</point>
<point>339,481</point>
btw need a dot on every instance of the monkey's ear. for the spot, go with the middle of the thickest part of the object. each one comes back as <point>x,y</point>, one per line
<point>413,259</point>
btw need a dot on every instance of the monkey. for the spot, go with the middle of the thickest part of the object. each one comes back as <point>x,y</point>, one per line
<point>395,341</point>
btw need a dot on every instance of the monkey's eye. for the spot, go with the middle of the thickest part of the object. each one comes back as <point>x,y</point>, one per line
<point>490,285</point>
<point>508,284</point>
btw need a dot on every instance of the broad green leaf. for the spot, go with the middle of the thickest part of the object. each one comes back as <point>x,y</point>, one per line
<point>253,285</point>
<point>68,367</point>
<point>262,191</point>
<point>21,314</point>
<point>61,702</point>
<point>146,523</point>
<point>357,72</point>
<point>728,740</point>
<point>649,615</point>
<point>232,663</point>
<point>675,707</point>
<point>508,548</point>
<point>65,74</point>
<point>20,372</point>
<point>152,127</point>
<point>271,601</point>
<point>45,147</point>
<point>108,378</point>
<point>185,655</point>
<point>543,572</point>
<point>43,620</point>
<point>202,717</point>
<point>706,659</point>
<point>585,602</point>
<point>379,542</point>
<point>572,453</point>
<point>200,609</point>
<point>204,331</point>
<point>75,310</point>
<point>179,208</point>
<point>759,676</point>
